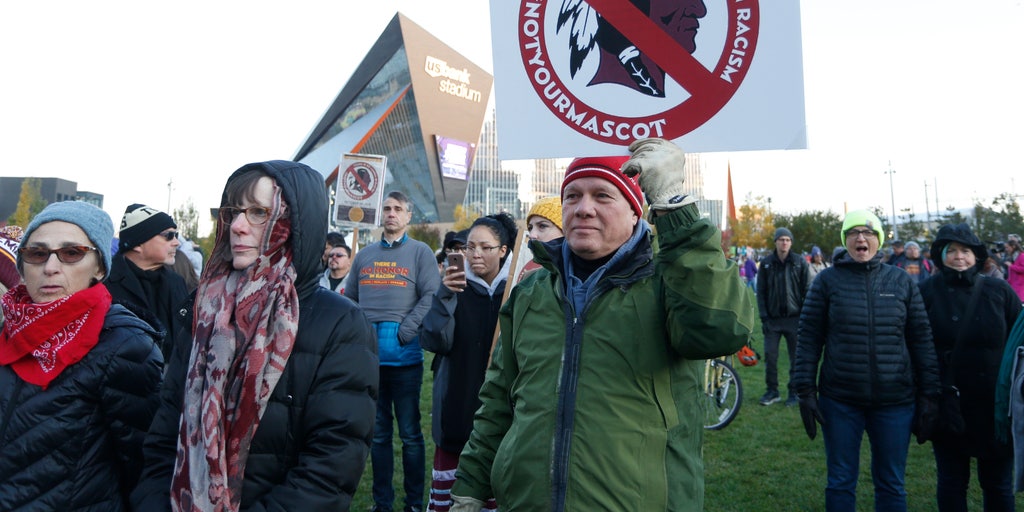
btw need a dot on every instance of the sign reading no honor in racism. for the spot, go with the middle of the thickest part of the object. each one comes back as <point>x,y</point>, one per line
<point>575,77</point>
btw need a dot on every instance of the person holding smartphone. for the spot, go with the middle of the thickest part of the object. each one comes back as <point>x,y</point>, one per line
<point>459,329</point>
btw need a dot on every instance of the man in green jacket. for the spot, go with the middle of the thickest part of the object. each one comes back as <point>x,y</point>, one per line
<point>593,397</point>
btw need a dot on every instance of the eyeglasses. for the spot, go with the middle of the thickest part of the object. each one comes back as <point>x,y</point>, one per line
<point>169,235</point>
<point>455,249</point>
<point>857,233</point>
<point>68,254</point>
<point>256,215</point>
<point>479,249</point>
<point>337,255</point>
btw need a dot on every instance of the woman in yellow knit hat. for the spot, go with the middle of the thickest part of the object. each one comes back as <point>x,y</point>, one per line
<point>544,222</point>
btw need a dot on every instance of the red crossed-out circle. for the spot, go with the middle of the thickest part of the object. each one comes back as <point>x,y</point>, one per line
<point>708,91</point>
<point>357,186</point>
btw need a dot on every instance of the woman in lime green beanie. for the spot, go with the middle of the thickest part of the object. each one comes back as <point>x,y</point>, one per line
<point>879,373</point>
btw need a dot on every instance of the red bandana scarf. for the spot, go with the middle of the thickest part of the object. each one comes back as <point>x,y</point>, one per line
<point>40,340</point>
<point>244,331</point>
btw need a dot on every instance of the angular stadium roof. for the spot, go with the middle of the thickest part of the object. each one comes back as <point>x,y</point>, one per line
<point>408,89</point>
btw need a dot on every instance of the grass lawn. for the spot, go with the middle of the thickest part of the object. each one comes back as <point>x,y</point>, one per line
<point>763,461</point>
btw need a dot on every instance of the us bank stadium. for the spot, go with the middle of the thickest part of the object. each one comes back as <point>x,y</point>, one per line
<point>420,104</point>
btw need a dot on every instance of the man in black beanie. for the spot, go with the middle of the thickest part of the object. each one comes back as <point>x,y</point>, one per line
<point>139,278</point>
<point>782,283</point>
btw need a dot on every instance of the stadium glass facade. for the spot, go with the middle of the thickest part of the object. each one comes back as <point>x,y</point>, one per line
<point>410,90</point>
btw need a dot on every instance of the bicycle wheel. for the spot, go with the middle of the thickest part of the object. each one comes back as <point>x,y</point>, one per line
<point>723,395</point>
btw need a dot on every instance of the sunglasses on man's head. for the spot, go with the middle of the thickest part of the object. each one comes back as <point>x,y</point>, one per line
<point>68,254</point>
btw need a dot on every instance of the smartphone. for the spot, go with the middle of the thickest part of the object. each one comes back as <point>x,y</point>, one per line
<point>457,260</point>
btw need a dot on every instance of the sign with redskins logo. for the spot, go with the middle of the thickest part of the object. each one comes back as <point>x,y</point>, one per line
<point>359,193</point>
<point>575,77</point>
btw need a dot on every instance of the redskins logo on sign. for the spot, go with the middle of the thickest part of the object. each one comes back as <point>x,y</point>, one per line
<point>620,70</point>
<point>359,181</point>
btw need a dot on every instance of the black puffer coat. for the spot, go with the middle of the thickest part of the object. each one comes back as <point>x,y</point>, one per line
<point>77,446</point>
<point>311,445</point>
<point>946,296</point>
<point>870,322</point>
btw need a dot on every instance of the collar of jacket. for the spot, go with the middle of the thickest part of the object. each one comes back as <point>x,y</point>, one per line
<point>636,263</point>
<point>844,260</point>
<point>387,245</point>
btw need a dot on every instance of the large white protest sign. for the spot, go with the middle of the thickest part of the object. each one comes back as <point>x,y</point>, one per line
<point>576,77</point>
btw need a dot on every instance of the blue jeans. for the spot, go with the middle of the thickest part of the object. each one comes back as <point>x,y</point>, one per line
<point>400,388</point>
<point>888,431</point>
<point>995,476</point>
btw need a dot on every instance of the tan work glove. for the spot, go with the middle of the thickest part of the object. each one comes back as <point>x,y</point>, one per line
<point>660,164</point>
<point>465,504</point>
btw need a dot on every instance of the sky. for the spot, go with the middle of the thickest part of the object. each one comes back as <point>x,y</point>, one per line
<point>157,103</point>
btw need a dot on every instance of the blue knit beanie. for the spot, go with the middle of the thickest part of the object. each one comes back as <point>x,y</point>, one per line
<point>94,222</point>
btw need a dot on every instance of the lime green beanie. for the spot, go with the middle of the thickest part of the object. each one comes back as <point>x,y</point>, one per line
<point>862,218</point>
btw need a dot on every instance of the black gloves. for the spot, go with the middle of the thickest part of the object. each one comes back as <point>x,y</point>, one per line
<point>926,416</point>
<point>809,412</point>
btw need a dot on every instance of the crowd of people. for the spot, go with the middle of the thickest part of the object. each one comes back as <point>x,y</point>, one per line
<point>134,375</point>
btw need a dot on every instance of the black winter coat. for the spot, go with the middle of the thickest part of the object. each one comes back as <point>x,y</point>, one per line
<point>866,324</point>
<point>127,290</point>
<point>782,286</point>
<point>946,296</point>
<point>459,329</point>
<point>77,446</point>
<point>312,443</point>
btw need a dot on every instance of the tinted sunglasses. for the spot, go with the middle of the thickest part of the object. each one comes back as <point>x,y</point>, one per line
<point>169,235</point>
<point>69,254</point>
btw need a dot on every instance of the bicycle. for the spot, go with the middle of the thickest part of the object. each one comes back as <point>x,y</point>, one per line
<point>723,393</point>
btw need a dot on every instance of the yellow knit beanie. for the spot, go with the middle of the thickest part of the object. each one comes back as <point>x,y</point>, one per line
<point>550,208</point>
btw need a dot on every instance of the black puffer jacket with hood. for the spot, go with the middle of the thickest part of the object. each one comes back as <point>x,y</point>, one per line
<point>946,296</point>
<point>311,445</point>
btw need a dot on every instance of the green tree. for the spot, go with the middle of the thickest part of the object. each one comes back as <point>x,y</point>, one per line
<point>812,228</point>
<point>1001,218</point>
<point>30,202</point>
<point>952,216</point>
<point>187,218</point>
<point>913,229</point>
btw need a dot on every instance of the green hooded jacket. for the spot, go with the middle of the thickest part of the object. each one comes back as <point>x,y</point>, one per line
<point>601,409</point>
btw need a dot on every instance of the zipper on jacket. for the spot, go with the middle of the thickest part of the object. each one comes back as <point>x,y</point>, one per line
<point>872,352</point>
<point>564,416</point>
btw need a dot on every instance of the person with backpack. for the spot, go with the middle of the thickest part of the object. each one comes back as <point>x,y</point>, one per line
<point>913,263</point>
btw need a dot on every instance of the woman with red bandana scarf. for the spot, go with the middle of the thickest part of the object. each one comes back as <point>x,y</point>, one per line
<point>78,376</point>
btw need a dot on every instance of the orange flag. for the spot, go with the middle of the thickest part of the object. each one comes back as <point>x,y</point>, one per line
<point>730,207</point>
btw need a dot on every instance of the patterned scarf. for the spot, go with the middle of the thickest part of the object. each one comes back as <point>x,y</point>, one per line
<point>40,340</point>
<point>244,331</point>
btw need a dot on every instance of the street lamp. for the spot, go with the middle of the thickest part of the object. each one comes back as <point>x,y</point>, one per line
<point>892,197</point>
